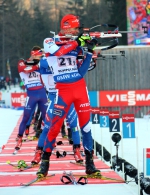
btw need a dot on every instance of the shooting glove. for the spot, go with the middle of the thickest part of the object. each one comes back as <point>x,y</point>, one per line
<point>91,45</point>
<point>81,40</point>
<point>32,63</point>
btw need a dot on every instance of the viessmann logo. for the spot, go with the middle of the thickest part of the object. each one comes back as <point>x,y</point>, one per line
<point>18,99</point>
<point>125,98</point>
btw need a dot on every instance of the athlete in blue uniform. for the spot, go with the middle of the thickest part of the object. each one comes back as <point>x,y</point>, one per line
<point>47,78</point>
<point>36,93</point>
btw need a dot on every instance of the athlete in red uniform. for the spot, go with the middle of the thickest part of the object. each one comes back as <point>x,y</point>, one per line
<point>68,74</point>
<point>36,93</point>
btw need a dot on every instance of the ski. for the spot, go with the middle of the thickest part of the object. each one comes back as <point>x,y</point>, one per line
<point>9,163</point>
<point>76,163</point>
<point>99,176</point>
<point>21,165</point>
<point>15,152</point>
<point>32,138</point>
<point>38,179</point>
<point>29,139</point>
<point>65,137</point>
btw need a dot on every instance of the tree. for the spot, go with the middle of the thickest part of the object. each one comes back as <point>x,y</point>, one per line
<point>118,15</point>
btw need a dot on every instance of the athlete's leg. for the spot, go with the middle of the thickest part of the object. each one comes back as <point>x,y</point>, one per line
<point>82,106</point>
<point>47,123</point>
<point>29,106</point>
<point>75,134</point>
<point>61,107</point>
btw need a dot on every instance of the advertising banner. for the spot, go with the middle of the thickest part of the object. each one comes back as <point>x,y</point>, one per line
<point>120,98</point>
<point>18,99</point>
<point>138,20</point>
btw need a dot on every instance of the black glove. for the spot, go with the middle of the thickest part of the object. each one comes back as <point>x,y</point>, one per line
<point>92,65</point>
<point>32,63</point>
<point>91,45</point>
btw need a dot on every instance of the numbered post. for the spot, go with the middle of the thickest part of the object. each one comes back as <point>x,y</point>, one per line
<point>128,125</point>
<point>146,162</point>
<point>104,118</point>
<point>95,116</point>
<point>114,123</point>
<point>95,120</point>
<point>114,126</point>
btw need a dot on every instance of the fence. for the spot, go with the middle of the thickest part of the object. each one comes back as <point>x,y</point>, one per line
<point>131,72</point>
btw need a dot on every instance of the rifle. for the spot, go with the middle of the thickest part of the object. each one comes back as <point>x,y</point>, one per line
<point>111,35</point>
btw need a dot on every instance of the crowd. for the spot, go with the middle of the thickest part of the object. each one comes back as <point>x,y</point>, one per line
<point>6,83</point>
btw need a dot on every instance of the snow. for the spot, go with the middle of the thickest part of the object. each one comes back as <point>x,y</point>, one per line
<point>129,149</point>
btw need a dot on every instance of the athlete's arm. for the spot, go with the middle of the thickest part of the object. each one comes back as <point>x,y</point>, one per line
<point>43,63</point>
<point>26,69</point>
<point>83,61</point>
<point>51,48</point>
<point>85,65</point>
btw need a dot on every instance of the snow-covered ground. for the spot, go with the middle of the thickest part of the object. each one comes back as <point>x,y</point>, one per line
<point>129,149</point>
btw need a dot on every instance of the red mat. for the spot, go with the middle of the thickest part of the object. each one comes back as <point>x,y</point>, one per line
<point>31,150</point>
<point>16,180</point>
<point>12,143</point>
<point>10,178</point>
<point>54,166</point>
<point>28,157</point>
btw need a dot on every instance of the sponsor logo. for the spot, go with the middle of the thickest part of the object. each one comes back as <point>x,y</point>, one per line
<point>127,118</point>
<point>125,98</point>
<point>75,75</point>
<point>73,118</point>
<point>49,41</point>
<point>67,46</point>
<point>63,77</point>
<point>34,85</point>
<point>130,97</point>
<point>47,117</point>
<point>76,20</point>
<point>67,70</point>
<point>84,110</point>
<point>21,63</point>
<point>18,100</point>
<point>113,114</point>
<point>59,106</point>
<point>84,105</point>
<point>57,112</point>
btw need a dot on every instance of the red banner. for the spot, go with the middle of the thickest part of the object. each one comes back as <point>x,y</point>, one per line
<point>95,110</point>
<point>148,153</point>
<point>18,99</point>
<point>124,98</point>
<point>128,118</point>
<point>114,114</point>
<point>104,112</point>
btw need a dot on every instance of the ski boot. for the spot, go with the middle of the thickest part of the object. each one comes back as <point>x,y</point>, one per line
<point>19,142</point>
<point>27,130</point>
<point>90,167</point>
<point>44,166</point>
<point>38,132</point>
<point>77,155</point>
<point>70,136</point>
<point>63,132</point>
<point>37,157</point>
